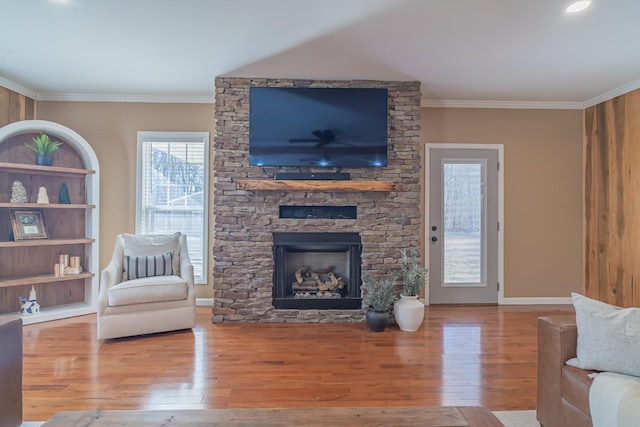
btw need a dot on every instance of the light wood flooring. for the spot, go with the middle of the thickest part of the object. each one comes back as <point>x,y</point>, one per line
<point>461,356</point>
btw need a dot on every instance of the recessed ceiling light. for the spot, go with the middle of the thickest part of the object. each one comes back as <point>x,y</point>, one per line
<point>578,6</point>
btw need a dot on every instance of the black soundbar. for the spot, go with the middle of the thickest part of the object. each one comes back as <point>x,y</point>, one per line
<point>325,176</point>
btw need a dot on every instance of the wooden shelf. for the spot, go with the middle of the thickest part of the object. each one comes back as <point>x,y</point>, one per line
<point>314,185</point>
<point>43,170</point>
<point>44,206</point>
<point>54,313</point>
<point>45,242</point>
<point>41,278</point>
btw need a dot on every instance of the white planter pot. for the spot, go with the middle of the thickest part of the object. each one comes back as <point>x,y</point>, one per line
<point>409,313</point>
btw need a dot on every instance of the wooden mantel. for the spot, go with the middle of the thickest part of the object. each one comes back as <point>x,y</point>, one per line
<point>314,185</point>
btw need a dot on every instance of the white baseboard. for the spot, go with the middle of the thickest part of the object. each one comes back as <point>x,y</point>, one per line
<point>529,301</point>
<point>204,302</point>
<point>536,300</point>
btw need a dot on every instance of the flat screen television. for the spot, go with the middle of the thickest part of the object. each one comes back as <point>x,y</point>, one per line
<point>326,127</point>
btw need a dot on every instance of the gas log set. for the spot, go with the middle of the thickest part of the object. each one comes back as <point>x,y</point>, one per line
<point>318,283</point>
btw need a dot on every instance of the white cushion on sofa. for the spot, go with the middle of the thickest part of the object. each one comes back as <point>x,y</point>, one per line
<point>608,337</point>
<point>148,289</point>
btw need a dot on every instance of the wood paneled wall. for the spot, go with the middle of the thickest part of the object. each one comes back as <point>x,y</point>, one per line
<point>15,107</point>
<point>612,200</point>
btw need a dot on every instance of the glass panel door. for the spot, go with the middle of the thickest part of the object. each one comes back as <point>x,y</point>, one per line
<point>463,226</point>
<point>463,223</point>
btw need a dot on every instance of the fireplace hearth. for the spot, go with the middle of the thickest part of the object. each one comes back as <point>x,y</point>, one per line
<point>317,271</point>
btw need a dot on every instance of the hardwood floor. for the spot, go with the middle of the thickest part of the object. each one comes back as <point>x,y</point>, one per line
<point>462,355</point>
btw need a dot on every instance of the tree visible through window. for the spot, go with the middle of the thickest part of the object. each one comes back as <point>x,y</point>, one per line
<point>172,189</point>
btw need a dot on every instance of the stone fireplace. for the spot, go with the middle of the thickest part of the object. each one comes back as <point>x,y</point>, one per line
<point>249,223</point>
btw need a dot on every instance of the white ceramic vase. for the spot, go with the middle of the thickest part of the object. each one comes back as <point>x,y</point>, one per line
<point>409,313</point>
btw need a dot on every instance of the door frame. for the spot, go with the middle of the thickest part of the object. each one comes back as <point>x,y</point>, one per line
<point>456,146</point>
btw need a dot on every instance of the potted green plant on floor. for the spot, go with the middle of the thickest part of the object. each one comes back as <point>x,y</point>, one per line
<point>408,310</point>
<point>379,298</point>
<point>43,146</point>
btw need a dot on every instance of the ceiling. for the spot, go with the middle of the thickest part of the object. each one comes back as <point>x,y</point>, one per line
<point>464,52</point>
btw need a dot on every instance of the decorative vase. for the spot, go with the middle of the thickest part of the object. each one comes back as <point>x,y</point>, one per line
<point>409,313</point>
<point>43,160</point>
<point>377,320</point>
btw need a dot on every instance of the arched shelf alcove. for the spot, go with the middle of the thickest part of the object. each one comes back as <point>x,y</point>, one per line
<point>71,229</point>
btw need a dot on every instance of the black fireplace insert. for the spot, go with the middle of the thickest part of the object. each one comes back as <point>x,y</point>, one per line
<point>318,271</point>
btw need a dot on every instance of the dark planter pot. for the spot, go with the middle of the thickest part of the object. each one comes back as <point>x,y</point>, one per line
<point>377,320</point>
<point>43,160</point>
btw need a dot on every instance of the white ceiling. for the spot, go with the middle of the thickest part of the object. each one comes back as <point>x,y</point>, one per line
<point>464,52</point>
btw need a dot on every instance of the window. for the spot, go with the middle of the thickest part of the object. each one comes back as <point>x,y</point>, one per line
<point>463,219</point>
<point>172,190</point>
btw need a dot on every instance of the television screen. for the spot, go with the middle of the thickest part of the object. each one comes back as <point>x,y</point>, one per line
<point>328,127</point>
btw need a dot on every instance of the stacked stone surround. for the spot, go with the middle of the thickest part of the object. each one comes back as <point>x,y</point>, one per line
<point>244,221</point>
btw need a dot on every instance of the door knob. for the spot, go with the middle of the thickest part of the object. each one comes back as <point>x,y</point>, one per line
<point>434,239</point>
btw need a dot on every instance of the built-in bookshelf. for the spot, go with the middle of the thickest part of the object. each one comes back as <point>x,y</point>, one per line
<point>71,228</point>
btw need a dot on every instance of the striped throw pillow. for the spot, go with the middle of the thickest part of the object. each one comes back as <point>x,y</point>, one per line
<point>148,266</point>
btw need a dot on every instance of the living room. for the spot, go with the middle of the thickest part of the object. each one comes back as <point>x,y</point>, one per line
<point>547,240</point>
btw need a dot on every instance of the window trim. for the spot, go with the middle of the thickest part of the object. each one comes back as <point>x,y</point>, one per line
<point>157,136</point>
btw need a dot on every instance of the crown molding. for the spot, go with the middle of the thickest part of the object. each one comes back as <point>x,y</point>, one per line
<point>17,88</point>
<point>531,105</point>
<point>612,94</point>
<point>209,99</point>
<point>101,97</point>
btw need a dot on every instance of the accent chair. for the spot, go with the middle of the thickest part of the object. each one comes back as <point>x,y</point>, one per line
<point>147,287</point>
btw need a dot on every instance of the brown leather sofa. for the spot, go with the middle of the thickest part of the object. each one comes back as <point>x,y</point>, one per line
<point>10,371</point>
<point>563,391</point>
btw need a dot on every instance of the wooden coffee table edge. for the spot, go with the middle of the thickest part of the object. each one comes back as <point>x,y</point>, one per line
<point>472,416</point>
<point>479,416</point>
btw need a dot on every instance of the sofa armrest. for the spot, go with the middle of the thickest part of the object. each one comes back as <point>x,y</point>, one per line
<point>557,343</point>
<point>10,371</point>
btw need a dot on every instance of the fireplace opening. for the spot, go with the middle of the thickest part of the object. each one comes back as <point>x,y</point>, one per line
<point>317,271</point>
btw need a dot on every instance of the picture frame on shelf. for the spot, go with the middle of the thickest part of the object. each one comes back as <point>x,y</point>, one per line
<point>28,224</point>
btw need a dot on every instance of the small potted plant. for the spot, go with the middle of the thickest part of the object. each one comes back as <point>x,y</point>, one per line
<point>408,311</point>
<point>43,146</point>
<point>379,297</point>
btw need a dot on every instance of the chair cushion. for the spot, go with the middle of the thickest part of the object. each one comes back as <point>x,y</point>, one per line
<point>148,289</point>
<point>137,245</point>
<point>136,267</point>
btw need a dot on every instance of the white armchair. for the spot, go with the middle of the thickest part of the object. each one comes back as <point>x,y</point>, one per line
<point>147,287</point>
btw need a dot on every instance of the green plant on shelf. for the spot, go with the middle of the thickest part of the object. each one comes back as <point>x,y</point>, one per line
<point>42,145</point>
